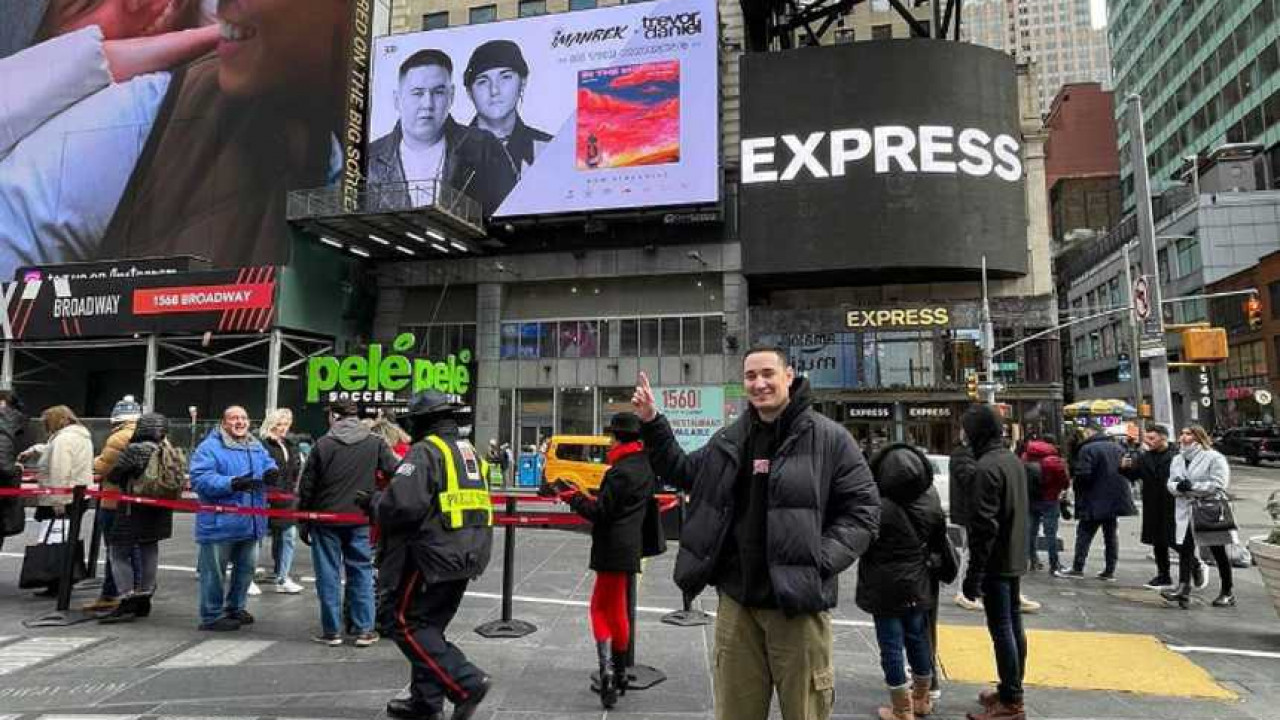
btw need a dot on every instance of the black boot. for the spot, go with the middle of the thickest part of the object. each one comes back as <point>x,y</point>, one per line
<point>1180,594</point>
<point>143,608</point>
<point>620,671</point>
<point>608,689</point>
<point>125,612</point>
<point>407,709</point>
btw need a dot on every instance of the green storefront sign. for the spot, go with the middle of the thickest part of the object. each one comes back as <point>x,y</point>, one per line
<point>377,378</point>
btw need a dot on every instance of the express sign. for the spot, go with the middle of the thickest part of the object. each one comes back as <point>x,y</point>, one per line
<point>375,378</point>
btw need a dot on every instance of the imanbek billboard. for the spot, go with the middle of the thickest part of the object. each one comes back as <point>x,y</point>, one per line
<point>223,301</point>
<point>136,128</point>
<point>569,112</point>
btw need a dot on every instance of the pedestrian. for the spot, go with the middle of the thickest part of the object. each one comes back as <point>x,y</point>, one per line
<point>64,460</point>
<point>396,438</point>
<point>497,464</point>
<point>274,434</point>
<point>617,515</point>
<point>124,418</point>
<point>1044,493</point>
<point>437,533</point>
<point>781,502</point>
<point>895,581</point>
<point>1151,468</point>
<point>139,528</point>
<point>1103,496</point>
<point>231,468</point>
<point>13,423</point>
<point>960,475</point>
<point>1199,473</point>
<point>346,460</point>
<point>998,558</point>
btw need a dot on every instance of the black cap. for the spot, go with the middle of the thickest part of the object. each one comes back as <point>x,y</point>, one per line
<point>495,54</point>
<point>432,402</point>
<point>624,423</point>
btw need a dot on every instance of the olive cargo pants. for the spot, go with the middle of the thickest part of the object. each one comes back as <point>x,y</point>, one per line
<point>760,651</point>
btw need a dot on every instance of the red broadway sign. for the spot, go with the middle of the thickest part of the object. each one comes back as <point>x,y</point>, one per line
<point>207,298</point>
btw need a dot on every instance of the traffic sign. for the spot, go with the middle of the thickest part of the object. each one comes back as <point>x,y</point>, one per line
<point>1152,351</point>
<point>1141,298</point>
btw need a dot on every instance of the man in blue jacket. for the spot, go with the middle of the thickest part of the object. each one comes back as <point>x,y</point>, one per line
<point>229,468</point>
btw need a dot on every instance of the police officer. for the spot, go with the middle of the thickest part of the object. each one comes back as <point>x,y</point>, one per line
<point>435,520</point>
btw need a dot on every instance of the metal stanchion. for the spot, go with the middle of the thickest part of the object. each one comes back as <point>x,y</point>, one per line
<point>686,616</point>
<point>507,626</point>
<point>63,615</point>
<point>91,580</point>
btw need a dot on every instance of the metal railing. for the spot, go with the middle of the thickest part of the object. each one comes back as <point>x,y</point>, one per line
<point>385,198</point>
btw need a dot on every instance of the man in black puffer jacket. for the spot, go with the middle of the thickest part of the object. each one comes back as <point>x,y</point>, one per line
<point>998,556</point>
<point>12,422</point>
<point>781,502</point>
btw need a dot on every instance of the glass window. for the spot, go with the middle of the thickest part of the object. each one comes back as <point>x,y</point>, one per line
<point>713,335</point>
<point>649,337</point>
<point>506,416</point>
<point>670,337</point>
<point>881,32</point>
<point>547,340</point>
<point>582,4</point>
<point>1273,293</point>
<point>533,417</point>
<point>614,400</point>
<point>629,341</point>
<point>577,411</point>
<point>509,347</point>
<point>435,21</point>
<point>1162,260</point>
<point>483,14</point>
<point>1188,256</point>
<point>530,8</point>
<point>691,336</point>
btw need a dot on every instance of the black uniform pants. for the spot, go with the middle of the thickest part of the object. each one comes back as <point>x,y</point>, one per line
<point>416,618</point>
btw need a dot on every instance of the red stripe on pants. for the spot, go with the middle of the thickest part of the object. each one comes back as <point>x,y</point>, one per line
<point>450,684</point>
<point>609,610</point>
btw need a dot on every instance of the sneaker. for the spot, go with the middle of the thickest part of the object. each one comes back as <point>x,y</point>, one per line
<point>367,639</point>
<point>241,616</point>
<point>968,604</point>
<point>101,605</point>
<point>222,624</point>
<point>1057,572</point>
<point>288,587</point>
<point>333,640</point>
<point>1028,605</point>
<point>1224,600</point>
<point>1073,574</point>
<point>1106,576</point>
<point>1159,582</point>
<point>254,589</point>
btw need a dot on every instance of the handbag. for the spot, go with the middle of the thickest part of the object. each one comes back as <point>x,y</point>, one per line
<point>943,563</point>
<point>42,562</point>
<point>1212,513</point>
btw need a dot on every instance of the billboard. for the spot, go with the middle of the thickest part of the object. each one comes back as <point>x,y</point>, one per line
<point>695,412</point>
<point>223,301</point>
<point>602,109</point>
<point>882,156</point>
<point>172,127</point>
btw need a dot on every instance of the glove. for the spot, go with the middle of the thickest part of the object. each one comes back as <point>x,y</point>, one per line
<point>364,500</point>
<point>244,483</point>
<point>304,533</point>
<point>565,496</point>
<point>970,587</point>
<point>1184,486</point>
<point>271,477</point>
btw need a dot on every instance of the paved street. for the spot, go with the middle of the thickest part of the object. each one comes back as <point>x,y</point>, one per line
<point>1092,642</point>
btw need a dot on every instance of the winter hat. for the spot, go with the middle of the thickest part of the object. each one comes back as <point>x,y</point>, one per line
<point>126,410</point>
<point>495,54</point>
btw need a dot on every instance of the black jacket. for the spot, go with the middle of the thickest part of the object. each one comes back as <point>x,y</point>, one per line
<point>522,145</point>
<point>893,575</point>
<point>344,461</point>
<point>12,517</point>
<point>823,509</point>
<point>413,537</point>
<point>139,524</point>
<point>617,514</point>
<point>475,164</point>
<point>1152,469</point>
<point>1102,493</point>
<point>998,516</point>
<point>960,474</point>
<point>285,452</point>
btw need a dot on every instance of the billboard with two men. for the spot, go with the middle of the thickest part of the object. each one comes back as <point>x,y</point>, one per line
<point>563,113</point>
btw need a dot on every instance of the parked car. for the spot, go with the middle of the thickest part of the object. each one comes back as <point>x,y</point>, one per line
<point>577,459</point>
<point>1252,443</point>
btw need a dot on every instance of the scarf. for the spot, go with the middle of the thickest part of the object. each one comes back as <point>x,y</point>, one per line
<point>622,450</point>
<point>246,442</point>
<point>1191,452</point>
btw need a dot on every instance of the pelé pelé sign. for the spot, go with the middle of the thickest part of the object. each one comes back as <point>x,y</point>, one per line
<point>377,378</point>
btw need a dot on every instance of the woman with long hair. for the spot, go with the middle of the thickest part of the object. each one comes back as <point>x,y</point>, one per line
<point>1198,472</point>
<point>274,433</point>
<point>65,460</point>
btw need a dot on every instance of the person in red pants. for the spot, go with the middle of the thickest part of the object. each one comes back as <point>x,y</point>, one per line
<point>617,513</point>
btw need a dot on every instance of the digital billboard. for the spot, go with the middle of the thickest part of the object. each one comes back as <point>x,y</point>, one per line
<point>882,156</point>
<point>592,110</point>
<point>143,128</point>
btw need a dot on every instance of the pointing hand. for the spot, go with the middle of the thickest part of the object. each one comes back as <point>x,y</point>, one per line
<point>642,400</point>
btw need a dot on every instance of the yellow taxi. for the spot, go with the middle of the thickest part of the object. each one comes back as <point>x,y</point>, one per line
<point>577,459</point>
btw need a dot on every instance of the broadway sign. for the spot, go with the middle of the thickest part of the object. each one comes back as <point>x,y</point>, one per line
<point>223,301</point>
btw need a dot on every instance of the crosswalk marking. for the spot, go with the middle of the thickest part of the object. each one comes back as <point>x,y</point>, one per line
<point>34,651</point>
<point>217,652</point>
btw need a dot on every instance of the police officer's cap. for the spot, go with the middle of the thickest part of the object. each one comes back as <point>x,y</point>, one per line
<point>432,402</point>
<point>495,54</point>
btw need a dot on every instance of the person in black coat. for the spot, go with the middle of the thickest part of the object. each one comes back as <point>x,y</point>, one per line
<point>1103,495</point>
<point>895,584</point>
<point>137,528</point>
<point>1151,468</point>
<point>617,514</point>
<point>284,532</point>
<point>12,422</point>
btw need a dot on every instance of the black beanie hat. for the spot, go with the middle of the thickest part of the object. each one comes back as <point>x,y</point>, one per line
<point>495,54</point>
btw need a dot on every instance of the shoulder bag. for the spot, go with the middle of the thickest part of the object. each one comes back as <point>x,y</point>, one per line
<point>1212,513</point>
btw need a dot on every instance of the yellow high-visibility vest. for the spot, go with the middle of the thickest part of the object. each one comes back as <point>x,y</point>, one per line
<point>465,500</point>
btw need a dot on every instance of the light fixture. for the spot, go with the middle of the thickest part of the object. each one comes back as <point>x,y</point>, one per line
<point>330,242</point>
<point>404,250</point>
<point>699,283</point>
<point>436,235</point>
<point>358,251</point>
<point>440,248</point>
<point>419,238</point>
<point>595,291</point>
<point>377,239</point>
<point>457,246</point>
<point>574,289</point>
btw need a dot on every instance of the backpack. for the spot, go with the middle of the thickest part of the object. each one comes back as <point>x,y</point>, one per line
<point>164,475</point>
<point>1034,477</point>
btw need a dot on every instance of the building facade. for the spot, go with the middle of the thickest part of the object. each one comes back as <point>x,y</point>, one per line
<point>1246,384</point>
<point>1206,73</point>
<point>1082,169</point>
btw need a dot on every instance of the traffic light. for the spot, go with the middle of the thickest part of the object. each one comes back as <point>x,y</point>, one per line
<point>1253,310</point>
<point>971,386</point>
